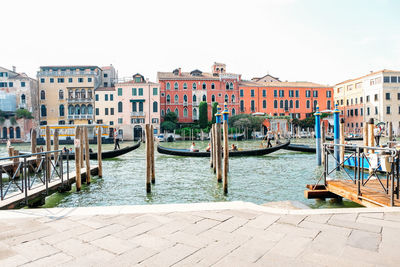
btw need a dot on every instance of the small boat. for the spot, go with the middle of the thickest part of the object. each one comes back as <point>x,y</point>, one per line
<point>355,138</point>
<point>240,153</point>
<point>301,148</point>
<point>105,154</point>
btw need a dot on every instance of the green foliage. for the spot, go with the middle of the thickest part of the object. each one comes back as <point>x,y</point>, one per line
<point>23,113</point>
<point>203,114</point>
<point>171,116</point>
<point>13,121</point>
<point>168,126</point>
<point>308,122</point>
<point>214,110</point>
<point>246,120</point>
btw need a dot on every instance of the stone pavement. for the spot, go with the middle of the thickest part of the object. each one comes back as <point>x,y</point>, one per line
<point>203,234</point>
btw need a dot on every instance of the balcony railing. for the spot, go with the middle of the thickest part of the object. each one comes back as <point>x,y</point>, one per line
<point>79,100</point>
<point>81,117</point>
<point>138,114</point>
<point>67,73</point>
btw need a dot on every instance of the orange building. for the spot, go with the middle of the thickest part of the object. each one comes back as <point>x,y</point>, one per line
<point>295,99</point>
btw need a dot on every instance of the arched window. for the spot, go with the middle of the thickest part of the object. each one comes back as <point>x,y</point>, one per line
<point>77,93</point>
<point>233,98</point>
<point>90,109</point>
<point>185,86</point>
<point>204,86</point>
<point>83,93</point>
<point>176,86</point>
<point>233,112</point>
<point>23,100</point>
<point>83,110</point>
<point>162,113</point>
<point>226,98</point>
<point>71,110</point>
<point>120,106</point>
<point>176,112</point>
<point>168,99</point>
<point>168,86</point>
<point>195,113</point>
<point>43,111</point>
<point>185,112</point>
<point>291,104</point>
<point>281,104</point>
<point>204,98</point>
<point>194,99</point>
<point>308,104</point>
<point>275,104</point>
<point>286,105</point>
<point>60,94</point>
<point>42,95</point>
<point>185,100</point>
<point>176,99</point>
<point>212,86</point>
<point>297,104</point>
<point>264,103</point>
<point>194,86</point>
<point>168,110</point>
<point>11,131</point>
<point>77,110</point>
<point>227,86</point>
<point>90,94</point>
<point>155,106</point>
<point>61,111</point>
<point>212,98</point>
<point>18,132</point>
<point>70,94</point>
<point>231,86</point>
<point>4,132</point>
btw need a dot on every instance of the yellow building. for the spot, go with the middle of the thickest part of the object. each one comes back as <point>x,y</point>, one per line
<point>66,94</point>
<point>106,106</point>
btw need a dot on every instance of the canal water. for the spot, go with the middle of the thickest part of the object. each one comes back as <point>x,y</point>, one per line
<point>279,176</point>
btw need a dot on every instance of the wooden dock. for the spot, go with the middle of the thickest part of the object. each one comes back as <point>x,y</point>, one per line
<point>14,200</point>
<point>372,195</point>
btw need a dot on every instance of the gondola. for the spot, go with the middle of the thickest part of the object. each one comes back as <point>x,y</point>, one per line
<point>328,138</point>
<point>104,140</point>
<point>241,153</point>
<point>105,154</point>
<point>301,148</point>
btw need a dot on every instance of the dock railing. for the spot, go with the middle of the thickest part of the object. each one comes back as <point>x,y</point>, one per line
<point>386,164</point>
<point>28,171</point>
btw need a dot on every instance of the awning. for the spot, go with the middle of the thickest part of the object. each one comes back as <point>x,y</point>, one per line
<point>137,100</point>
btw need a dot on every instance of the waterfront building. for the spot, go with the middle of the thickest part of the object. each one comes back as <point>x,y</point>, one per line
<point>295,99</point>
<point>109,76</point>
<point>17,91</point>
<point>136,103</point>
<point>375,95</point>
<point>182,92</point>
<point>265,79</point>
<point>105,106</point>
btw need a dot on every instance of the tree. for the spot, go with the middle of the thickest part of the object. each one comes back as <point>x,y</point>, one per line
<point>168,126</point>
<point>23,113</point>
<point>171,116</point>
<point>214,110</point>
<point>246,120</point>
<point>203,114</point>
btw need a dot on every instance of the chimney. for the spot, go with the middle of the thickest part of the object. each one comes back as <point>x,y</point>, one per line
<point>180,72</point>
<point>14,69</point>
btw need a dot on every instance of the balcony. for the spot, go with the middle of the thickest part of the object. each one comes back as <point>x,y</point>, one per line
<point>81,117</point>
<point>185,103</point>
<point>79,100</point>
<point>138,114</point>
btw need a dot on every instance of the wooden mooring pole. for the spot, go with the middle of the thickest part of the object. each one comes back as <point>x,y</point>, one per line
<point>214,148</point>
<point>226,157</point>
<point>87,155</point>
<point>99,157</point>
<point>56,144</point>
<point>390,133</point>
<point>48,148</point>
<point>342,140</point>
<point>371,137</point>
<point>365,134</point>
<point>322,142</point>
<point>153,174</point>
<point>77,146</point>
<point>219,153</point>
<point>33,141</point>
<point>148,160</point>
<point>82,150</point>
<point>211,146</point>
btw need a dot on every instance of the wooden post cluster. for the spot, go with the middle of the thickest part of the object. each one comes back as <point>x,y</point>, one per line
<point>77,158</point>
<point>342,140</point>
<point>219,152</point>
<point>226,157</point>
<point>87,155</point>
<point>99,158</point>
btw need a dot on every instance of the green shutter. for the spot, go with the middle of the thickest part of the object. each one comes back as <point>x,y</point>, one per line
<point>120,91</point>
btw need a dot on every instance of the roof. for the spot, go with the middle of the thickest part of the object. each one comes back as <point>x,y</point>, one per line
<point>283,84</point>
<point>106,68</point>
<point>133,82</point>
<point>186,76</point>
<point>370,74</point>
<point>105,89</point>
<point>70,66</point>
<point>268,75</point>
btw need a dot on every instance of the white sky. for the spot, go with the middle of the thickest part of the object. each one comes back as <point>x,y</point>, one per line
<point>309,40</point>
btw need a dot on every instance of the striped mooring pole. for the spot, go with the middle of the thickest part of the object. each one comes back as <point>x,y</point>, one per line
<point>317,115</point>
<point>336,129</point>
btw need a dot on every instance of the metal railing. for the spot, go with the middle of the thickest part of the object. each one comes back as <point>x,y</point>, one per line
<point>379,166</point>
<point>80,99</point>
<point>30,171</point>
<point>138,114</point>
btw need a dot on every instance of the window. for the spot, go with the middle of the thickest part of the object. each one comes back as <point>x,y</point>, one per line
<point>155,106</point>
<point>204,86</point>
<point>42,80</point>
<point>399,109</point>
<point>134,91</point>
<point>281,104</point>
<point>22,84</point>
<point>89,80</point>
<point>227,86</point>
<point>106,111</point>
<point>367,98</point>
<point>195,114</point>
<point>387,96</point>
<point>43,111</point>
<point>176,112</point>
<point>291,104</point>
<point>162,113</point>
<point>134,107</point>
<point>204,98</point>
<point>281,93</point>
<point>111,97</point>
<point>111,111</point>
<point>168,86</point>
<point>80,80</point>
<point>185,112</point>
<point>106,97</point>
<point>140,91</point>
<point>393,79</point>
<point>97,97</point>
<point>315,104</point>
<point>386,79</point>
<point>185,86</point>
<point>252,93</point>
<point>51,80</point>
<point>297,93</point>
<point>120,120</point>
<point>376,110</point>
<point>226,99</point>
<point>233,98</point>
<point>308,104</point>
<point>194,86</point>
<point>328,94</point>
<point>23,98</point>
<point>119,106</point>
<point>42,95</point>
<point>155,91</point>
<point>70,80</point>
<point>275,93</point>
<point>241,93</point>
<point>97,111</point>
<point>176,86</point>
<point>308,93</point>
<point>60,80</point>
<point>275,104</point>
<point>376,97</point>
<point>388,110</point>
<point>168,99</point>
<point>355,112</point>
<point>233,112</point>
<point>252,106</point>
<point>176,99</point>
<point>212,86</point>
<point>241,105</point>
<point>231,86</point>
<point>361,100</point>
<point>368,111</point>
<point>264,103</point>
<point>328,104</point>
<point>120,91</point>
<point>297,104</point>
<point>61,111</point>
<point>212,98</point>
<point>264,93</point>
<point>361,112</point>
<point>315,93</point>
<point>105,75</point>
<point>398,96</point>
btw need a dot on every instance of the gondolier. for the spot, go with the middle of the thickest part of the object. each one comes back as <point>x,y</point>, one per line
<point>116,140</point>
